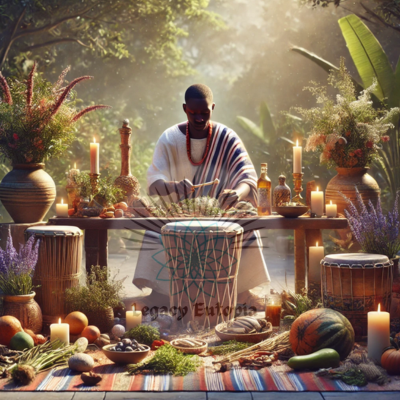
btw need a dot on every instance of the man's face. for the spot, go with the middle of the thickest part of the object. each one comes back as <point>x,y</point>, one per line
<point>199,113</point>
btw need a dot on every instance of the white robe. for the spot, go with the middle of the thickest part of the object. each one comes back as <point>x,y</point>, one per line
<point>171,163</point>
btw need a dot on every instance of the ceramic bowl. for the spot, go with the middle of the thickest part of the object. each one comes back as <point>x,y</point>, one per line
<point>243,337</point>
<point>191,350</point>
<point>291,211</point>
<point>125,357</point>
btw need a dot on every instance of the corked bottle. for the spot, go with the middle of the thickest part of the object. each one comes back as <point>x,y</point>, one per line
<point>282,193</point>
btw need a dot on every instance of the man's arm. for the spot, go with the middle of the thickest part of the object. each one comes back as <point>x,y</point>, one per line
<point>164,188</point>
<point>242,192</point>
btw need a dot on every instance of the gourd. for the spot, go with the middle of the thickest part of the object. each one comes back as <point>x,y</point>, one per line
<point>390,360</point>
<point>325,358</point>
<point>9,326</point>
<point>322,328</point>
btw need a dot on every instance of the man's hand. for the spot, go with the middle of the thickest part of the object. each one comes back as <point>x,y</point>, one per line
<point>228,198</point>
<point>164,188</point>
<point>183,188</point>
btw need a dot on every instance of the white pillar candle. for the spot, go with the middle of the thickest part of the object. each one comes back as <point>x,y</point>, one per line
<point>317,202</point>
<point>378,333</point>
<point>331,210</point>
<point>62,209</point>
<point>315,255</point>
<point>297,158</point>
<point>59,331</point>
<point>94,157</point>
<point>133,318</point>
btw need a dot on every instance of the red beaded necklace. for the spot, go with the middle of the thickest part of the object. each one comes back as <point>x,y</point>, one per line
<point>207,145</point>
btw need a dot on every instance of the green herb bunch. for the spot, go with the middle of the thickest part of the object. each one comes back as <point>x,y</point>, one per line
<point>295,304</point>
<point>167,360</point>
<point>144,334</point>
<point>37,118</point>
<point>347,132</point>
<point>101,292</point>
<point>231,346</point>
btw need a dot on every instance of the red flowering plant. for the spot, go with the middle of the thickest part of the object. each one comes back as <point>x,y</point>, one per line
<point>347,132</point>
<point>37,118</point>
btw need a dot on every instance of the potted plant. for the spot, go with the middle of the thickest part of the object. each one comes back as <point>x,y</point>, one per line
<point>36,123</point>
<point>97,299</point>
<point>16,270</point>
<point>348,133</point>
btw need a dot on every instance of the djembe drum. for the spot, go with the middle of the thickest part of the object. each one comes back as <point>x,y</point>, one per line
<point>355,284</point>
<point>203,262</point>
<point>58,267</point>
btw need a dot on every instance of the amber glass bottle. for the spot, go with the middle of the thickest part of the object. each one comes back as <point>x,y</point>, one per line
<point>264,192</point>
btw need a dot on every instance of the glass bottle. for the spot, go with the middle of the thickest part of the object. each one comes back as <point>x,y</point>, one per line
<point>264,192</point>
<point>281,192</point>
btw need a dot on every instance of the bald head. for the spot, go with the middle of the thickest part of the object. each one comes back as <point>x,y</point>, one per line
<point>199,91</point>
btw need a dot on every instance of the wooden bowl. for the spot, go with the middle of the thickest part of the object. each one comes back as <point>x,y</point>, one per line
<point>243,337</point>
<point>291,211</point>
<point>125,357</point>
<point>191,350</point>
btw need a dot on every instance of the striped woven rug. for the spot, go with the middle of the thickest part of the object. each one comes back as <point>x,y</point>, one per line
<point>275,378</point>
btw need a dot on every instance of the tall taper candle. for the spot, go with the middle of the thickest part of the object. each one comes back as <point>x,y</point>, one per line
<point>378,333</point>
<point>297,158</point>
<point>94,157</point>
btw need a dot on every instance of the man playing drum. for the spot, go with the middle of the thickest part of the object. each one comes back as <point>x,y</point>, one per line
<point>193,152</point>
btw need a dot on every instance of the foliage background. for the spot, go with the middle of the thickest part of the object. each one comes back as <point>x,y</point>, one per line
<point>145,53</point>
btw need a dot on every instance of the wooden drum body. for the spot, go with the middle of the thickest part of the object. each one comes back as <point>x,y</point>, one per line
<point>58,267</point>
<point>203,262</point>
<point>355,284</point>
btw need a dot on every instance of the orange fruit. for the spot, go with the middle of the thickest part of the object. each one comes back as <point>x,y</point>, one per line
<point>91,333</point>
<point>77,322</point>
<point>9,326</point>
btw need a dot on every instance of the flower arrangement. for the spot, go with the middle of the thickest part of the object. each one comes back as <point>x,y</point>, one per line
<point>16,268</point>
<point>347,132</point>
<point>375,232</point>
<point>37,118</point>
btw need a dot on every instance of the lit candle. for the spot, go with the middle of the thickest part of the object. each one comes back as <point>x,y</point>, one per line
<point>273,313</point>
<point>94,157</point>
<point>133,318</point>
<point>62,209</point>
<point>297,158</point>
<point>59,331</point>
<point>317,202</point>
<point>331,210</point>
<point>315,255</point>
<point>378,333</point>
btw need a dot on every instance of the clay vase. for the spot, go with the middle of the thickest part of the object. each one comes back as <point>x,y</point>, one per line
<point>346,181</point>
<point>25,309</point>
<point>27,192</point>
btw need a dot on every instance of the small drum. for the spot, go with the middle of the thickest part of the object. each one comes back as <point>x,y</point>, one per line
<point>203,261</point>
<point>58,267</point>
<point>355,284</point>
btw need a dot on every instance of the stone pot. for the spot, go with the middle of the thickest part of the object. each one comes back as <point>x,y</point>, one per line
<point>346,181</point>
<point>25,309</point>
<point>27,192</point>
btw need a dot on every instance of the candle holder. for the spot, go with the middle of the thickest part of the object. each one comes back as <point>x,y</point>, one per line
<point>298,187</point>
<point>94,181</point>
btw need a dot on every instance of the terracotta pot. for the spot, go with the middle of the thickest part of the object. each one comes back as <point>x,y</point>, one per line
<point>27,192</point>
<point>346,181</point>
<point>25,309</point>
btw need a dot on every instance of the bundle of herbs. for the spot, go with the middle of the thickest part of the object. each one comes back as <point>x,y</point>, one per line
<point>41,358</point>
<point>229,347</point>
<point>167,360</point>
<point>143,334</point>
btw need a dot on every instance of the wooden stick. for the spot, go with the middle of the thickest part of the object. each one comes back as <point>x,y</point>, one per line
<point>214,182</point>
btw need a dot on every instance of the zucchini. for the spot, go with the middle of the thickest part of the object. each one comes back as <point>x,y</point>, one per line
<point>324,358</point>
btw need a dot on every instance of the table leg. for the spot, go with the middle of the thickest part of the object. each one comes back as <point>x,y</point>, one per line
<point>299,260</point>
<point>96,248</point>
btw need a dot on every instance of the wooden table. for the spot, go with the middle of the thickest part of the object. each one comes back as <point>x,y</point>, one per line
<point>306,232</point>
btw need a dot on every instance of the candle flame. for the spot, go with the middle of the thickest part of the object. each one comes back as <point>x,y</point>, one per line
<point>75,165</point>
<point>62,201</point>
<point>94,140</point>
<point>317,188</point>
<point>272,302</point>
<point>379,307</point>
<point>133,308</point>
<point>59,320</point>
<point>297,143</point>
<point>331,202</point>
<point>317,244</point>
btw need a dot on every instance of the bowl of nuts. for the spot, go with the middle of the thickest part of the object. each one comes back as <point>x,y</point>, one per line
<point>126,352</point>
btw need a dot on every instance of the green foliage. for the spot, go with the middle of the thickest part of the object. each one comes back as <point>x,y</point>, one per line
<point>108,194</point>
<point>167,360</point>
<point>231,346</point>
<point>347,132</point>
<point>144,334</point>
<point>101,292</point>
<point>295,304</point>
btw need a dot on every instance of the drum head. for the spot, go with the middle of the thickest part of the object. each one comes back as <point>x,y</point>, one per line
<point>54,230</point>
<point>356,259</point>
<point>203,226</point>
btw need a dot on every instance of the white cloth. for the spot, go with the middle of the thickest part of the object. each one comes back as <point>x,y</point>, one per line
<point>171,163</point>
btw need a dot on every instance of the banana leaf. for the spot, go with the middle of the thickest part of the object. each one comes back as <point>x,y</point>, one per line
<point>250,126</point>
<point>394,98</point>
<point>267,125</point>
<point>368,55</point>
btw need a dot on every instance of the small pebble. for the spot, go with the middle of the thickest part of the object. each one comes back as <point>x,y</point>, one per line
<point>118,330</point>
<point>81,362</point>
<point>128,348</point>
<point>82,344</point>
